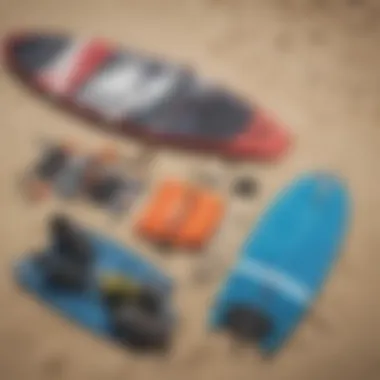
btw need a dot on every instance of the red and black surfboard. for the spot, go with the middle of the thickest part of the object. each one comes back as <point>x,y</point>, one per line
<point>134,94</point>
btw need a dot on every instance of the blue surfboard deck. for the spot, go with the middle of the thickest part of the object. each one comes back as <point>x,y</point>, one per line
<point>287,256</point>
<point>87,308</point>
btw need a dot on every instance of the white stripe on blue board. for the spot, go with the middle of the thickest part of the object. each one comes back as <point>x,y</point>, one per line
<point>276,280</point>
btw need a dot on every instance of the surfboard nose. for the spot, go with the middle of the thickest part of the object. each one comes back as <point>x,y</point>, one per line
<point>30,52</point>
<point>264,137</point>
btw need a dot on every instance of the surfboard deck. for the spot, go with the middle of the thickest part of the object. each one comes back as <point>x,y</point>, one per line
<point>87,308</point>
<point>131,93</point>
<point>286,258</point>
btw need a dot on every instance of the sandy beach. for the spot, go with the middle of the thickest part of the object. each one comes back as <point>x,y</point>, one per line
<point>315,65</point>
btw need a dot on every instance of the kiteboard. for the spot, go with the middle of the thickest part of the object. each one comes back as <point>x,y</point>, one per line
<point>131,93</point>
<point>100,285</point>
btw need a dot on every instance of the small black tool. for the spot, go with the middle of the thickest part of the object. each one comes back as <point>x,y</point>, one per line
<point>245,187</point>
<point>51,163</point>
<point>104,188</point>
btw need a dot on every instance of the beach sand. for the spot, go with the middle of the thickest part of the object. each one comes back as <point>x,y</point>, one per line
<point>315,65</point>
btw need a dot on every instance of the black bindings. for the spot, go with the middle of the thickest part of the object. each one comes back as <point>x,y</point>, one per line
<point>68,265</point>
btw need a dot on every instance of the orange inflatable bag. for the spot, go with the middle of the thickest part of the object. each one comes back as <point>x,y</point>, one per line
<point>202,220</point>
<point>181,214</point>
<point>160,217</point>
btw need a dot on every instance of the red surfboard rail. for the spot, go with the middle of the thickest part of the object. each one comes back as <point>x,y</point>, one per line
<point>61,67</point>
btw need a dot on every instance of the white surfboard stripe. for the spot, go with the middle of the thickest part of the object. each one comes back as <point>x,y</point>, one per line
<point>63,67</point>
<point>276,280</point>
<point>150,92</point>
<point>127,90</point>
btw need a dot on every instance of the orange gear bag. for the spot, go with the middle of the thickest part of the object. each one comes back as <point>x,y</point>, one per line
<point>181,214</point>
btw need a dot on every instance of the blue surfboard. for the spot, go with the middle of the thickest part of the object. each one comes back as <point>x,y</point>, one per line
<point>286,258</point>
<point>87,308</point>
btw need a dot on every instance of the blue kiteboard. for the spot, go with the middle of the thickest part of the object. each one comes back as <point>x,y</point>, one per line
<point>285,260</point>
<point>87,308</point>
